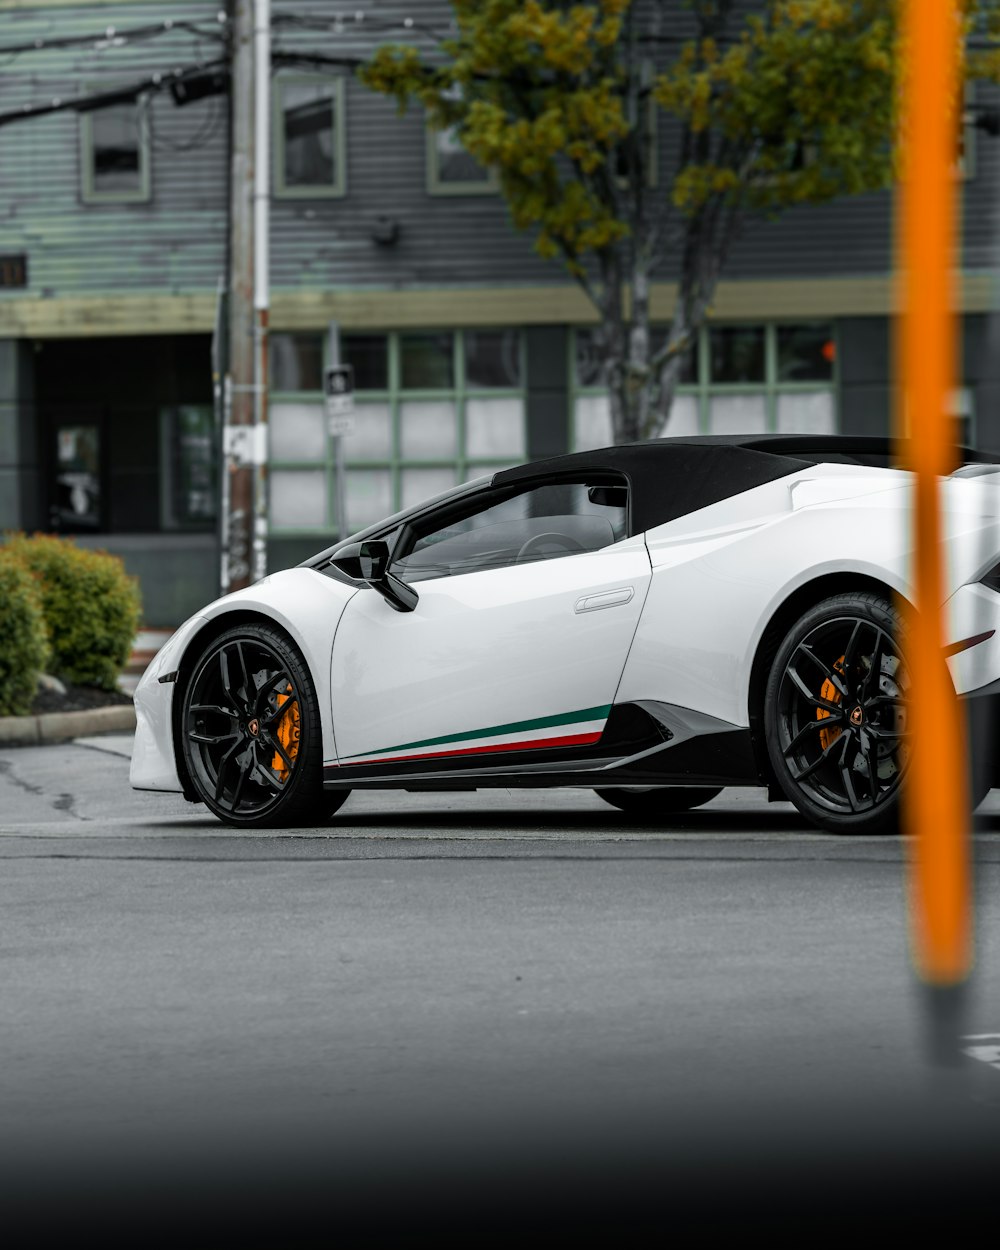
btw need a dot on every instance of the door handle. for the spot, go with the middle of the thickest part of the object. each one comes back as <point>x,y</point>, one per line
<point>607,599</point>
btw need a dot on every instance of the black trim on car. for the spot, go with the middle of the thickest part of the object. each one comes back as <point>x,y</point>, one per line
<point>643,743</point>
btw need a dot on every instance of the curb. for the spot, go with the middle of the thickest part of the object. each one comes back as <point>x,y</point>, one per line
<point>30,731</point>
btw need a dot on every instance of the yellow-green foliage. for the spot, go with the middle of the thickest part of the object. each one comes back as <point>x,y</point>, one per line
<point>24,650</point>
<point>537,101</point>
<point>91,605</point>
<point>798,109</point>
<point>796,104</point>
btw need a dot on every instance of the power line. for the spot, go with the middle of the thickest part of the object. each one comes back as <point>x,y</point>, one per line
<point>126,93</point>
<point>116,37</point>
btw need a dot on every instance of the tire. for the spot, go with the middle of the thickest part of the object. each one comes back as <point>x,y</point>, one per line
<point>250,733</point>
<point>834,720</point>
<point>660,800</point>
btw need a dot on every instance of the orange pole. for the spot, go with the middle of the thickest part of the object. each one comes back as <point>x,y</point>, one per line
<point>935,795</point>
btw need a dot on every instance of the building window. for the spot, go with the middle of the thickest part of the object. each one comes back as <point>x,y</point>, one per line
<point>738,379</point>
<point>451,170</point>
<point>309,148</point>
<point>432,409</point>
<point>114,157</point>
<point>189,467</point>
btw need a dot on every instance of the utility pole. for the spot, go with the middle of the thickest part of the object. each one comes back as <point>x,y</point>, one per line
<point>262,265</point>
<point>244,441</point>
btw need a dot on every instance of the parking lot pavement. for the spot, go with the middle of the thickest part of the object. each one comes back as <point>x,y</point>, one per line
<point>81,789</point>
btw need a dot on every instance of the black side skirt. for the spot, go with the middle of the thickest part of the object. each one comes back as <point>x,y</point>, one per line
<point>643,743</point>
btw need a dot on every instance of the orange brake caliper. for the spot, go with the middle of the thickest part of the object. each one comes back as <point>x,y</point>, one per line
<point>289,730</point>
<point>829,692</point>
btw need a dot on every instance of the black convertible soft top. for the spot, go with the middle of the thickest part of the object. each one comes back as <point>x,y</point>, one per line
<point>671,477</point>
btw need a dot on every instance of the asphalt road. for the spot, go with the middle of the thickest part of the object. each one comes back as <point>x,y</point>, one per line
<point>471,1013</point>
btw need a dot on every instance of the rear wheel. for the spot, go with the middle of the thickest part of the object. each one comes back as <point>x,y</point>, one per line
<point>250,732</point>
<point>834,715</point>
<point>659,800</point>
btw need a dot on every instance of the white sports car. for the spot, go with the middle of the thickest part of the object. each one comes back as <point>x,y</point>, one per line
<point>654,622</point>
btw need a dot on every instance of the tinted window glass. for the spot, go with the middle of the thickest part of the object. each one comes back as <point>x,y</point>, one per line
<point>116,151</point>
<point>307,119</point>
<point>492,358</point>
<point>805,353</point>
<point>737,353</point>
<point>296,362</point>
<point>426,362</point>
<point>369,354</point>
<point>545,523</point>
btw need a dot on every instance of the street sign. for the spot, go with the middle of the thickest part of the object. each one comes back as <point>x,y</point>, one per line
<point>338,392</point>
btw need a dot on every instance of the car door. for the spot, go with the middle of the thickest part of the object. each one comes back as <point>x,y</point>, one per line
<point>527,608</point>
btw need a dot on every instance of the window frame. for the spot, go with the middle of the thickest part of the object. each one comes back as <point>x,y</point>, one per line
<point>337,189</point>
<point>89,194</point>
<point>393,396</point>
<point>488,185</point>
<point>439,516</point>
<point>704,389</point>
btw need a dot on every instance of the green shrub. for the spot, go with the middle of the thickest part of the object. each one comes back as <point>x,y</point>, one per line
<point>91,605</point>
<point>24,648</point>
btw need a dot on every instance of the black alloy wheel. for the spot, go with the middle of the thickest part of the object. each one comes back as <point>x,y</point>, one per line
<point>835,715</point>
<point>659,801</point>
<point>251,733</point>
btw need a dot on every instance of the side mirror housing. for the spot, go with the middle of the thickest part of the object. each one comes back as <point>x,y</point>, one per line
<point>368,562</point>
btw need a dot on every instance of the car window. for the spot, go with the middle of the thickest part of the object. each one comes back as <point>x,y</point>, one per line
<point>544,523</point>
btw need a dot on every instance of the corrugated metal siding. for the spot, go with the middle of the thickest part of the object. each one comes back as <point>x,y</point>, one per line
<point>176,242</point>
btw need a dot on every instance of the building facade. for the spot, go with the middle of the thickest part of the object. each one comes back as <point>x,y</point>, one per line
<point>470,352</point>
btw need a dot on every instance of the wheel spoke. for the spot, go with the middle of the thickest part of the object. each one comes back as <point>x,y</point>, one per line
<point>872,775</point>
<point>215,707</point>
<point>220,780</point>
<point>244,770</point>
<point>827,722</point>
<point>876,661</point>
<point>852,646</point>
<point>276,743</point>
<point>212,740</point>
<point>845,774</point>
<point>227,677</point>
<point>269,771</point>
<point>828,672</point>
<point>247,692</point>
<point>820,759</point>
<point>852,798</point>
<point>276,685</point>
<point>815,699</point>
<point>269,722</point>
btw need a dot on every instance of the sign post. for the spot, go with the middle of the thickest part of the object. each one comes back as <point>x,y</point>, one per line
<point>338,399</point>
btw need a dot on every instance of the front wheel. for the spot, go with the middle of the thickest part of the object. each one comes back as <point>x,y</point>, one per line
<point>835,716</point>
<point>250,732</point>
<point>659,800</point>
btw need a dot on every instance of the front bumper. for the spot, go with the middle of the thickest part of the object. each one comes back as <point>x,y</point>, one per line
<point>153,763</point>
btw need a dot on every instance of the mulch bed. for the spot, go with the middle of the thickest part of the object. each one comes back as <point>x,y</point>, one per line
<point>76,699</point>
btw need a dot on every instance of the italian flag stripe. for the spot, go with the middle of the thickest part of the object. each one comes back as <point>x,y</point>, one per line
<point>579,728</point>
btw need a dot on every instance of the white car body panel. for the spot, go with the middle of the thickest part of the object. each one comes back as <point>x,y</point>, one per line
<point>517,645</point>
<point>535,655</point>
<point>718,578</point>
<point>302,602</point>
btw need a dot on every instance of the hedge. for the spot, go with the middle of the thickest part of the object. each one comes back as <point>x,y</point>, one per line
<point>24,648</point>
<point>92,607</point>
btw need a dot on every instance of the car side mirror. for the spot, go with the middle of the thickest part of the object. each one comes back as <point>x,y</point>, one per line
<point>368,562</point>
<point>608,496</point>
